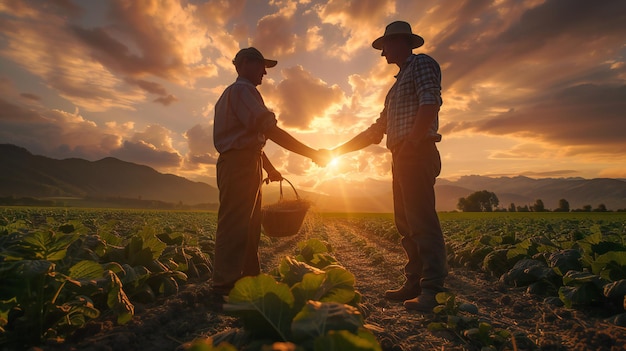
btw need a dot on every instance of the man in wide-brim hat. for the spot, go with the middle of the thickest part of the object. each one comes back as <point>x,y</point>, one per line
<point>399,28</point>
<point>410,118</point>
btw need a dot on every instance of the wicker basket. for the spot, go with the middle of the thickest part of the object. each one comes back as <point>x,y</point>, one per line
<point>285,217</point>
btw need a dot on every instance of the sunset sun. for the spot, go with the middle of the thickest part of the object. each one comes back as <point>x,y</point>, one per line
<point>142,86</point>
<point>334,162</point>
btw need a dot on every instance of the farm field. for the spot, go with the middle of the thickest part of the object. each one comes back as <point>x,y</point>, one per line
<point>81,279</point>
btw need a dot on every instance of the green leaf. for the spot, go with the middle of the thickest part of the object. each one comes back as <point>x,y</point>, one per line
<point>615,289</point>
<point>344,340</point>
<point>206,344</point>
<point>564,261</point>
<point>292,271</point>
<point>317,318</point>
<point>611,265</point>
<point>444,297</point>
<point>144,247</point>
<point>496,262</point>
<point>574,278</point>
<point>607,246</point>
<point>118,301</point>
<point>310,247</point>
<point>437,326</point>
<point>172,238</point>
<point>263,304</point>
<point>447,303</point>
<point>48,245</point>
<point>322,260</point>
<point>70,316</point>
<point>484,327</point>
<point>86,270</point>
<point>5,308</point>
<point>585,294</point>
<point>335,285</point>
<point>516,253</point>
<point>151,241</point>
<point>66,228</point>
<point>89,311</point>
<point>469,308</point>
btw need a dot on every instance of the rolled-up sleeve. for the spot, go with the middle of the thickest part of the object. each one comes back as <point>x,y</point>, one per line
<point>380,125</point>
<point>428,81</point>
<point>241,118</point>
<point>251,110</point>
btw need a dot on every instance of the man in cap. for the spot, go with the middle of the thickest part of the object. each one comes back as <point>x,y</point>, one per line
<point>241,127</point>
<point>410,120</point>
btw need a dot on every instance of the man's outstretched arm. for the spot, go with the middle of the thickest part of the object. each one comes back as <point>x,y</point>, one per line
<point>372,135</point>
<point>285,140</point>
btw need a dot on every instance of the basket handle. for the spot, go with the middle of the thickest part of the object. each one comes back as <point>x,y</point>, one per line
<point>267,181</point>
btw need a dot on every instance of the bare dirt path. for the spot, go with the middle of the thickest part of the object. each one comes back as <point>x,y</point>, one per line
<point>377,265</point>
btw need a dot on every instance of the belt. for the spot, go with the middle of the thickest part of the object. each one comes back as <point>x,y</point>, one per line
<point>427,140</point>
<point>245,150</point>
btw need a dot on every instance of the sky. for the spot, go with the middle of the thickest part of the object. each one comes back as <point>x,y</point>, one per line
<point>534,88</point>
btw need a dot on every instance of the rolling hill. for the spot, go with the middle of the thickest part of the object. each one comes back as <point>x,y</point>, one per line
<point>525,191</point>
<point>26,175</point>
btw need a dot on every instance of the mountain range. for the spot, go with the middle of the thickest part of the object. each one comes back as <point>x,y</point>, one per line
<point>26,175</point>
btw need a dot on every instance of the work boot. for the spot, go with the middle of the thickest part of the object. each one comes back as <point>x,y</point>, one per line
<point>408,291</point>
<point>221,290</point>
<point>425,302</point>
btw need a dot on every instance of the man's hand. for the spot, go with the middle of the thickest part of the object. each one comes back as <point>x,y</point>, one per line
<point>322,157</point>
<point>274,176</point>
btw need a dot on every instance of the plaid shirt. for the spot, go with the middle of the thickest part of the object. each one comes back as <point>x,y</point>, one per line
<point>417,83</point>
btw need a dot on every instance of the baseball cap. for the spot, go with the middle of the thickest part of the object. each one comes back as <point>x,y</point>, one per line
<point>253,53</point>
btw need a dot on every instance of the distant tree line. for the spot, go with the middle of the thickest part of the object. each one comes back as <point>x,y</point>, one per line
<point>486,201</point>
<point>24,201</point>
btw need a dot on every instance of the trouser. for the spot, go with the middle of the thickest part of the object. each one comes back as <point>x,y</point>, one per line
<point>239,176</point>
<point>415,169</point>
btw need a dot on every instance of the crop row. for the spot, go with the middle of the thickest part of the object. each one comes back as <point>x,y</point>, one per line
<point>308,302</point>
<point>59,268</point>
<point>576,260</point>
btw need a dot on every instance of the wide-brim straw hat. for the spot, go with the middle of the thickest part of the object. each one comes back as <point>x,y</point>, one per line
<point>254,53</point>
<point>398,28</point>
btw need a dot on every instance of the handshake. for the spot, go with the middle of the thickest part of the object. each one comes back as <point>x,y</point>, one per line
<point>372,135</point>
<point>323,157</point>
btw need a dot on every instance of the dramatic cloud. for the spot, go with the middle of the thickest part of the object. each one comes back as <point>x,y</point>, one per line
<point>152,147</point>
<point>56,133</point>
<point>45,49</point>
<point>552,43</point>
<point>201,148</point>
<point>274,33</point>
<point>164,41</point>
<point>144,153</point>
<point>300,97</point>
<point>529,87</point>
<point>359,21</point>
<point>166,100</point>
<point>585,117</point>
<point>30,96</point>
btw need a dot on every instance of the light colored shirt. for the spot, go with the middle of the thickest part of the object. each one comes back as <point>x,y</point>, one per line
<point>417,83</point>
<point>241,118</point>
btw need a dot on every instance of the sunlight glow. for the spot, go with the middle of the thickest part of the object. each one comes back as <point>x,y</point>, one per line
<point>334,162</point>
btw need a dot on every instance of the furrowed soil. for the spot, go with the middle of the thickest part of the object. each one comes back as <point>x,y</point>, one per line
<point>377,264</point>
